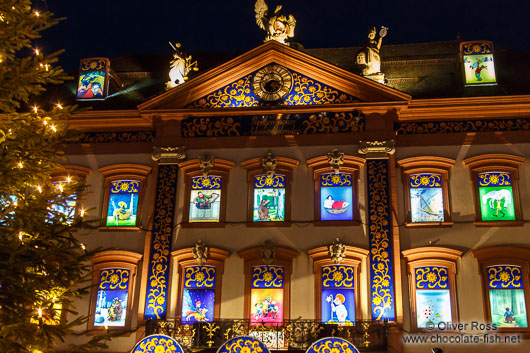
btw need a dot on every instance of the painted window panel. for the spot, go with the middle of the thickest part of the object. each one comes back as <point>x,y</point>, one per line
<point>433,299</point>
<point>432,306</point>
<point>426,198</point>
<point>336,197</point>
<point>507,300</point>
<point>111,303</point>
<point>269,198</point>
<point>205,199</point>
<point>496,196</point>
<point>338,294</point>
<point>478,63</point>
<point>266,295</point>
<point>123,203</point>
<point>93,79</point>
<point>198,298</point>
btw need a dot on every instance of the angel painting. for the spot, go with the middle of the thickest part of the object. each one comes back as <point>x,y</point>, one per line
<point>278,27</point>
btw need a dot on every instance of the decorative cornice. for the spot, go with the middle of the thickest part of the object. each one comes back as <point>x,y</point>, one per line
<point>487,160</point>
<point>116,255</point>
<point>426,161</point>
<point>125,169</point>
<point>281,163</point>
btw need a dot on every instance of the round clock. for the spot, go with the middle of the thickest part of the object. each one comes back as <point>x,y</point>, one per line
<point>272,83</point>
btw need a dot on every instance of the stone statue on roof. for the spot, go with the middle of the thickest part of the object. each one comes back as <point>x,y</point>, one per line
<point>278,27</point>
<point>180,66</point>
<point>369,55</point>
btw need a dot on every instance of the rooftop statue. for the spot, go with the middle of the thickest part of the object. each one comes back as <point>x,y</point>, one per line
<point>180,66</point>
<point>369,55</point>
<point>278,27</point>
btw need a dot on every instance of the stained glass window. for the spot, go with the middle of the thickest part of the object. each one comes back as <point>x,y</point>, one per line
<point>266,295</point>
<point>506,294</point>
<point>269,198</point>
<point>496,196</point>
<point>426,198</point>
<point>478,63</point>
<point>338,294</point>
<point>93,79</point>
<point>433,298</point>
<point>336,197</point>
<point>123,203</point>
<point>198,298</point>
<point>205,199</point>
<point>111,303</point>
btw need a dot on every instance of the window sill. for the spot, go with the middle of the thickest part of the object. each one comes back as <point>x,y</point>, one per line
<point>515,223</point>
<point>203,224</point>
<point>428,224</point>
<point>125,331</point>
<point>119,229</point>
<point>335,223</point>
<point>251,224</point>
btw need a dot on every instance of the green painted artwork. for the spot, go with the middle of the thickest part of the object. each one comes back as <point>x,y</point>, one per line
<point>496,203</point>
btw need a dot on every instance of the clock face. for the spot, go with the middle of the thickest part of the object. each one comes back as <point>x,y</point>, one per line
<point>272,83</point>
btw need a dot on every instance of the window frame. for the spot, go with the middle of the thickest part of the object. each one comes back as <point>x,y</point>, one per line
<point>182,258</point>
<point>496,255</point>
<point>284,257</point>
<point>285,166</point>
<point>426,165</point>
<point>352,165</point>
<point>495,163</point>
<point>114,259</point>
<point>123,172</point>
<point>72,171</point>
<point>431,256</point>
<point>354,257</point>
<point>192,169</point>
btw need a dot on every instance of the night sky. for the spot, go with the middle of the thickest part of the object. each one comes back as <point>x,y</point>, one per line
<point>111,28</point>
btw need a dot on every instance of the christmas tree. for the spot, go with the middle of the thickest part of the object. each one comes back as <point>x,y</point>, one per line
<point>42,263</point>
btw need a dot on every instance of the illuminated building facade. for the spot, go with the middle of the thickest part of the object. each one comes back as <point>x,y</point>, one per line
<point>280,195</point>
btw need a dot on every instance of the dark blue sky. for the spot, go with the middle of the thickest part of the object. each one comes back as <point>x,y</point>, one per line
<point>110,28</point>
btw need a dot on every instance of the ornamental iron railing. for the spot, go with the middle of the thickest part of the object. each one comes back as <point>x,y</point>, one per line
<point>287,335</point>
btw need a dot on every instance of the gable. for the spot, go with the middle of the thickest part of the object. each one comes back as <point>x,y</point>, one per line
<point>303,91</point>
<point>230,85</point>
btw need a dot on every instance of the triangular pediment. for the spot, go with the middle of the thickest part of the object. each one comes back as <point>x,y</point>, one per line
<point>232,84</point>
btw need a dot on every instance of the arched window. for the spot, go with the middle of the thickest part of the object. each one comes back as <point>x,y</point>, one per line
<point>124,191</point>
<point>432,283</point>
<point>495,179</point>
<point>338,286</point>
<point>505,280</point>
<point>426,185</point>
<point>112,299</point>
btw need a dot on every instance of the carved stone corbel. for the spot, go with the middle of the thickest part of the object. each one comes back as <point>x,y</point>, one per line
<point>336,160</point>
<point>376,149</point>
<point>206,163</point>
<point>337,251</point>
<point>200,252</point>
<point>268,252</point>
<point>169,155</point>
<point>268,164</point>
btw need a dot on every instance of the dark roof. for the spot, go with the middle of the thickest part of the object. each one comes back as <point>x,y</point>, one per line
<point>423,70</point>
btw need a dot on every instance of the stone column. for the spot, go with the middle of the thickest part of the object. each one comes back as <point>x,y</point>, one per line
<point>162,234</point>
<point>380,230</point>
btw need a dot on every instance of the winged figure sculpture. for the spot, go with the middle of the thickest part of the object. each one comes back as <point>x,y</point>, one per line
<point>278,27</point>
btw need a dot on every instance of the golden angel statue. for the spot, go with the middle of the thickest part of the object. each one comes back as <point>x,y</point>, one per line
<point>278,26</point>
<point>180,66</point>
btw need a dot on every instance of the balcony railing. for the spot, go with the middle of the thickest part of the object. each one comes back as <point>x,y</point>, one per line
<point>288,335</point>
